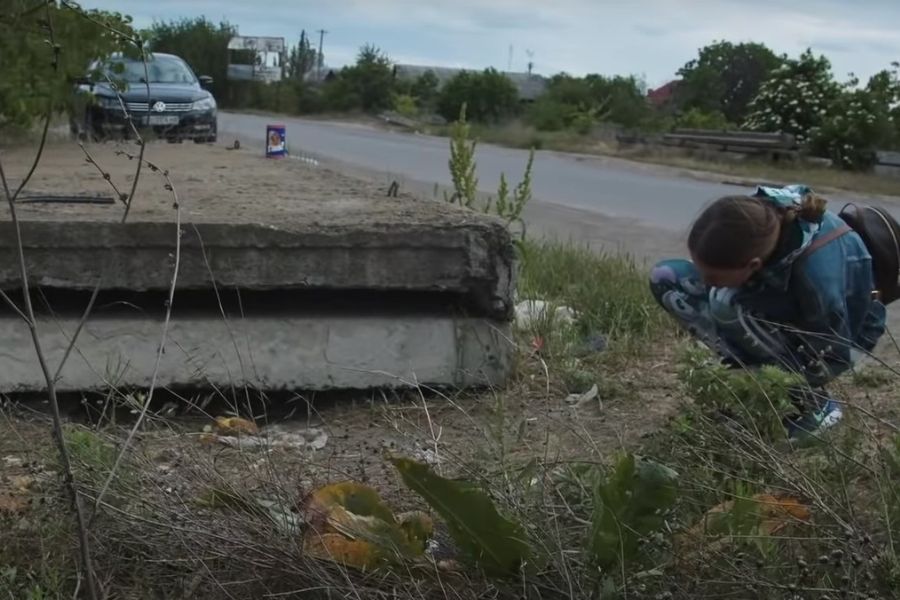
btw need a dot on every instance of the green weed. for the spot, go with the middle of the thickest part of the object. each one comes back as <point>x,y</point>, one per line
<point>609,293</point>
<point>760,399</point>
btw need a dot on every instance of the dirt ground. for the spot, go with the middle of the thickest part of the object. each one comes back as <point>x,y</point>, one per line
<point>210,182</point>
<point>306,441</point>
<point>217,183</point>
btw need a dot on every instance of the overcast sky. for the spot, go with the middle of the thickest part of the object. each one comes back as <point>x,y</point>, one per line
<point>649,38</point>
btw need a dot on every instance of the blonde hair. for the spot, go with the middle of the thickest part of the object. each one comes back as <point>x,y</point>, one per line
<point>811,209</point>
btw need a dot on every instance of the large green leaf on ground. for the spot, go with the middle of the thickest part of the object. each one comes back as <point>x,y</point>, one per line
<point>629,505</point>
<point>492,542</point>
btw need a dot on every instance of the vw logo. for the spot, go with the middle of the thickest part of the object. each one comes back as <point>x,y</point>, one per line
<point>159,107</point>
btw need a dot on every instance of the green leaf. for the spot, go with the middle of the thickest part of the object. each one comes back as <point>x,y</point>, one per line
<point>629,505</point>
<point>494,543</point>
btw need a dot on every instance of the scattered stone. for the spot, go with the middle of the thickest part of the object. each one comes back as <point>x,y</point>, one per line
<point>235,426</point>
<point>596,343</point>
<point>530,311</point>
<point>582,400</point>
<point>309,439</point>
<point>13,461</point>
<point>427,456</point>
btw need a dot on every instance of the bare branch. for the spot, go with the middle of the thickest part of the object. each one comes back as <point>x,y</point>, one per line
<point>68,477</point>
<point>84,317</point>
<point>104,174</point>
<point>37,157</point>
<point>162,344</point>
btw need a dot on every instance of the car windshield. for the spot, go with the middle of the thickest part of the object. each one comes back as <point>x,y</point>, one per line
<point>160,69</point>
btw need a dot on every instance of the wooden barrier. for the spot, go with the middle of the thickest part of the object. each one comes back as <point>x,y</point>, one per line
<point>774,145</point>
<point>887,164</point>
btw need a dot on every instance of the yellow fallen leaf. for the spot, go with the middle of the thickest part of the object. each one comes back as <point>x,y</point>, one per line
<point>355,512</point>
<point>10,504</point>
<point>351,553</point>
<point>21,482</point>
<point>774,513</point>
<point>417,526</point>
<point>235,426</point>
<point>778,513</point>
<point>208,439</point>
<point>332,501</point>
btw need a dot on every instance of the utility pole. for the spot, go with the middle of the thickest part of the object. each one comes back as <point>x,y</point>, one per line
<point>321,60</point>
<point>530,54</point>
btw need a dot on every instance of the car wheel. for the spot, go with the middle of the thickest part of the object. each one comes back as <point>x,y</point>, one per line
<point>210,139</point>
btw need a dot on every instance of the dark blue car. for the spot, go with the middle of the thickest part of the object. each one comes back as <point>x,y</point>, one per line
<point>164,96</point>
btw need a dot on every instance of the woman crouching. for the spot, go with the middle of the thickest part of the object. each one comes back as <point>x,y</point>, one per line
<point>776,279</point>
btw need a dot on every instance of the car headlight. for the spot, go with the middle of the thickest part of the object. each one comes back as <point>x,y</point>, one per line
<point>108,102</point>
<point>205,104</point>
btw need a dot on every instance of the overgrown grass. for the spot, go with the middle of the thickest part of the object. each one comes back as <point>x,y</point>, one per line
<point>840,544</point>
<point>609,293</point>
<point>715,504</point>
<point>518,135</point>
<point>756,171</point>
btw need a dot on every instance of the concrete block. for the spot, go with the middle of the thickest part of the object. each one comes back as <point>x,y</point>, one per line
<point>349,288</point>
<point>300,352</point>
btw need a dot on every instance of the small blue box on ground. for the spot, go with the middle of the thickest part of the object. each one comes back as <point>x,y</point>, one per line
<point>276,141</point>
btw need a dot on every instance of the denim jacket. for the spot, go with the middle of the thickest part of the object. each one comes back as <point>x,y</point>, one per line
<point>821,304</point>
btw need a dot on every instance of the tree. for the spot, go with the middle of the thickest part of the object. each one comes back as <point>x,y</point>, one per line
<point>860,121</point>
<point>725,78</point>
<point>425,89</point>
<point>302,59</point>
<point>623,98</point>
<point>885,85</point>
<point>568,102</point>
<point>580,103</point>
<point>796,97</point>
<point>369,83</point>
<point>489,96</point>
<point>28,79</point>
<point>202,44</point>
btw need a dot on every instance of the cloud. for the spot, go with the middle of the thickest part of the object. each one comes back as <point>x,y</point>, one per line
<point>652,37</point>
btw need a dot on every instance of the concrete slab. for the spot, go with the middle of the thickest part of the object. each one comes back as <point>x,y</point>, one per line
<point>256,224</point>
<point>310,352</point>
<point>290,276</point>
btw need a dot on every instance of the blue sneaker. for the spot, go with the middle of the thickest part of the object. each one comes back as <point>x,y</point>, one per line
<point>815,422</point>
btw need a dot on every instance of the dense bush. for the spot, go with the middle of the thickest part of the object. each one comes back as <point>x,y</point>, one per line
<point>725,78</point>
<point>696,118</point>
<point>489,96</point>
<point>796,98</point>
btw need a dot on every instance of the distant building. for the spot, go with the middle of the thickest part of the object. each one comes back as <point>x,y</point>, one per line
<point>663,95</point>
<point>529,85</point>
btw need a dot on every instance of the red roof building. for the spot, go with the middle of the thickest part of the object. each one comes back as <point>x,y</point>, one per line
<point>663,95</point>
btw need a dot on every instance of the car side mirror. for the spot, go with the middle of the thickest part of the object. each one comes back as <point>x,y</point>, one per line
<point>205,81</point>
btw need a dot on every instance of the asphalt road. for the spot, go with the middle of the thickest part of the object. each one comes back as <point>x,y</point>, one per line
<point>659,201</point>
<point>600,201</point>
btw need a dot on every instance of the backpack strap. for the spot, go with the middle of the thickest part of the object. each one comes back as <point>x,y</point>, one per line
<point>825,238</point>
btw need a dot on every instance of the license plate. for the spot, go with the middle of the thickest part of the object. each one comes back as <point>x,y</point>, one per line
<point>163,120</point>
